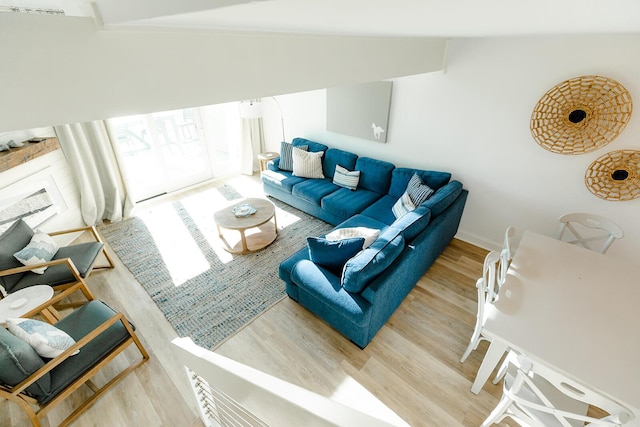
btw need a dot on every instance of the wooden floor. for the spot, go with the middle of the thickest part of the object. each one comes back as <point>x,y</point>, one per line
<point>412,365</point>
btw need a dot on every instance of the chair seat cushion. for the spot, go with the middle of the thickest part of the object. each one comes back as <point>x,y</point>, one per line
<point>78,324</point>
<point>83,256</point>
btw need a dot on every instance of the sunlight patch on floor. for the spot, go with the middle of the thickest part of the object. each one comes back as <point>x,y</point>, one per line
<point>180,253</point>
<point>201,208</point>
<point>351,393</point>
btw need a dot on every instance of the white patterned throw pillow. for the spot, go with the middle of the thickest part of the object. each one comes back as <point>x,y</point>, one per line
<point>47,340</point>
<point>346,178</point>
<point>307,164</point>
<point>370,234</point>
<point>403,206</point>
<point>41,248</point>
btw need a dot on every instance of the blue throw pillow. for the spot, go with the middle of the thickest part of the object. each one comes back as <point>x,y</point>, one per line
<point>333,254</point>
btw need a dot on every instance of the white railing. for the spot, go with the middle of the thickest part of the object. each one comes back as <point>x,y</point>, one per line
<point>232,394</point>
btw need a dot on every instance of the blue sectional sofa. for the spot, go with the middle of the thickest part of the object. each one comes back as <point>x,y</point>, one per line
<point>358,300</point>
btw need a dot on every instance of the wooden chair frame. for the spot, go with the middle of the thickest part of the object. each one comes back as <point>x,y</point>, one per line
<point>16,394</point>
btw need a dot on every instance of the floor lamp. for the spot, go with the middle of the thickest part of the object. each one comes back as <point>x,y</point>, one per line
<point>253,109</point>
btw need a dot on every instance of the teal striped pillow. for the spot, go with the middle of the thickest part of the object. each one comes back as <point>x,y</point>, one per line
<point>345,178</point>
<point>286,155</point>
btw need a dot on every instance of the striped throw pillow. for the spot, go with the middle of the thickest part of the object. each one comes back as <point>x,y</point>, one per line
<point>307,164</point>
<point>346,178</point>
<point>403,206</point>
<point>286,155</point>
<point>418,191</point>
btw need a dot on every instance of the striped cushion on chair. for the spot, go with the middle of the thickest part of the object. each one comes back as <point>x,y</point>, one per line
<point>306,164</point>
<point>345,178</point>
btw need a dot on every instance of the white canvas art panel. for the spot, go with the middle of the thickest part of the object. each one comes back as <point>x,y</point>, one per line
<point>35,199</point>
<point>360,110</point>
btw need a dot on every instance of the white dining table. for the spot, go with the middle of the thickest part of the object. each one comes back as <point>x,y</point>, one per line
<point>573,309</point>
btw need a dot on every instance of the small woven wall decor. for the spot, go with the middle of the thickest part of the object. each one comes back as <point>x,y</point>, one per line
<point>581,114</point>
<point>615,176</point>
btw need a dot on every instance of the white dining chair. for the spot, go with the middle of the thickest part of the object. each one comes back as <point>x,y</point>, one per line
<point>537,395</point>
<point>584,228</point>
<point>506,255</point>
<point>486,286</point>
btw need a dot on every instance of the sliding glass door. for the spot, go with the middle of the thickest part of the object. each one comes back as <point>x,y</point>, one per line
<point>162,152</point>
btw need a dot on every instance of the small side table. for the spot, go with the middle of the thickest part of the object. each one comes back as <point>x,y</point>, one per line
<point>23,301</point>
<point>264,158</point>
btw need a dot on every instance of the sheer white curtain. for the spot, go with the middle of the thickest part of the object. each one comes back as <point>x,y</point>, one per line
<point>91,157</point>
<point>252,145</point>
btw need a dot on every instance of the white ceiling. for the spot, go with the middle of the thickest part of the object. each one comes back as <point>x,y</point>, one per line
<point>413,18</point>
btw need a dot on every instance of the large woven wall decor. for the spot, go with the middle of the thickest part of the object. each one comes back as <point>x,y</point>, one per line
<point>581,115</point>
<point>615,176</point>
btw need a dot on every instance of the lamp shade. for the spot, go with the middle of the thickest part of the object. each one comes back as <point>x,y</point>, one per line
<point>250,109</point>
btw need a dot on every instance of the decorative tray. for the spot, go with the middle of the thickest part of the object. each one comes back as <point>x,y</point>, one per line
<point>243,210</point>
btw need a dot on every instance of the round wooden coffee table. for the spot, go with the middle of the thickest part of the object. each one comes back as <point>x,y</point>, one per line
<point>259,238</point>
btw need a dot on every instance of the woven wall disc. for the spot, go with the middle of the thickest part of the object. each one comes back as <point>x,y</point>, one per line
<point>615,176</point>
<point>581,115</point>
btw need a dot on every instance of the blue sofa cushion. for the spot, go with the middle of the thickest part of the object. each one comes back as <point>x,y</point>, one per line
<point>442,198</point>
<point>400,179</point>
<point>313,147</point>
<point>313,190</point>
<point>334,156</point>
<point>412,224</point>
<point>360,220</point>
<point>345,203</point>
<point>375,175</point>
<point>336,304</point>
<point>332,255</point>
<point>364,267</point>
<point>283,180</point>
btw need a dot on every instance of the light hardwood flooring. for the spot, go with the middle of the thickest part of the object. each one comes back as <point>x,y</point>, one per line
<point>411,366</point>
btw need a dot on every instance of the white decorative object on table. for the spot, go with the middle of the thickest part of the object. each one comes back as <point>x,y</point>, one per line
<point>244,210</point>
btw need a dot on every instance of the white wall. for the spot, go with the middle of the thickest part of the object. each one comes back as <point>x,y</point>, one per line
<point>473,120</point>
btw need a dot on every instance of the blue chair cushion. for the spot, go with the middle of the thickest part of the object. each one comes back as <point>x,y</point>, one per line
<point>332,255</point>
<point>18,360</point>
<point>15,238</point>
<point>83,256</point>
<point>368,264</point>
<point>78,324</point>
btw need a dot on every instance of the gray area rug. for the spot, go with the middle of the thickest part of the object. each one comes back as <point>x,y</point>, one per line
<point>174,252</point>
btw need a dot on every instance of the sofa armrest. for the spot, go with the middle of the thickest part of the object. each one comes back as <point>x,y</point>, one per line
<point>443,197</point>
<point>274,164</point>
